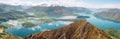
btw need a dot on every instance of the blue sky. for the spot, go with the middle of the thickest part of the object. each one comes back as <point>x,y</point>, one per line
<point>103,1</point>
<point>68,3</point>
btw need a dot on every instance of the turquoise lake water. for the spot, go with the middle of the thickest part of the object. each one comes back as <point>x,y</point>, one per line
<point>103,24</point>
<point>22,32</point>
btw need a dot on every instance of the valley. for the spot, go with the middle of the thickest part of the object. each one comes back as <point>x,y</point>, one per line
<point>57,22</point>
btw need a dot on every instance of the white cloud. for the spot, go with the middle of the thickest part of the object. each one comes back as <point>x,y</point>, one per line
<point>64,22</point>
<point>50,24</point>
<point>34,28</point>
<point>68,3</point>
<point>103,5</point>
<point>68,17</point>
<point>45,30</point>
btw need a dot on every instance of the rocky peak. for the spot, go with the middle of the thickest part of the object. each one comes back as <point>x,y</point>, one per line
<point>77,30</point>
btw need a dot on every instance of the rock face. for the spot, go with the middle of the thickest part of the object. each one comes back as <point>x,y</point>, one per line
<point>110,14</point>
<point>77,30</point>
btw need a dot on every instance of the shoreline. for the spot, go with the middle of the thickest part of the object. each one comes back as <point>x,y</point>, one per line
<point>100,17</point>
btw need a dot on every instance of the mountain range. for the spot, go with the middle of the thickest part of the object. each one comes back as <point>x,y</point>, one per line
<point>57,10</point>
<point>19,11</point>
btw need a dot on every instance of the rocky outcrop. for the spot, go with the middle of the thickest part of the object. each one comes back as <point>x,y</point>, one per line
<point>110,14</point>
<point>77,30</point>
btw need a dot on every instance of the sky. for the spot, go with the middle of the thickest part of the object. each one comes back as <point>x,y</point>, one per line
<point>68,3</point>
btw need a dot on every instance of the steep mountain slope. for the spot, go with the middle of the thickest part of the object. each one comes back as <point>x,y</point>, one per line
<point>8,7</point>
<point>11,12</point>
<point>79,10</point>
<point>12,15</point>
<point>77,30</point>
<point>49,11</point>
<point>110,14</point>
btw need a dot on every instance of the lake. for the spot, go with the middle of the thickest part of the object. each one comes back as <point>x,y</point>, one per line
<point>22,32</point>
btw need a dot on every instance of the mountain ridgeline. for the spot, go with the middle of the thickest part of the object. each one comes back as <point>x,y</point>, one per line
<point>77,30</point>
<point>57,10</point>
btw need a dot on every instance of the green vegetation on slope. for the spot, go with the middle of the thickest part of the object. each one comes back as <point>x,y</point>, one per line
<point>3,34</point>
<point>114,32</point>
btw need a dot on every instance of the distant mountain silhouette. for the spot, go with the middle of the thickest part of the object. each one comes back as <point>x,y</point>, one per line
<point>110,14</point>
<point>57,10</point>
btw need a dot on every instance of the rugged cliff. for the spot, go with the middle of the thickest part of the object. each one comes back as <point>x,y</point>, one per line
<point>77,30</point>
